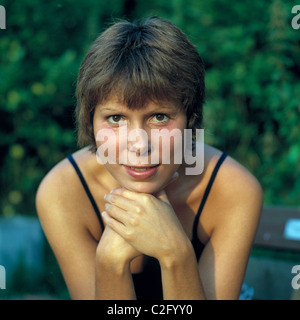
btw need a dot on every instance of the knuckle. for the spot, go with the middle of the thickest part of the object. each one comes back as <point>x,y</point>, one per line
<point>129,235</point>
<point>112,199</point>
<point>109,222</point>
<point>138,209</point>
<point>108,207</point>
<point>134,222</point>
<point>146,198</point>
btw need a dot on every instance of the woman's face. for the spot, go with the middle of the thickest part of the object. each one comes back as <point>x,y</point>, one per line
<point>135,145</point>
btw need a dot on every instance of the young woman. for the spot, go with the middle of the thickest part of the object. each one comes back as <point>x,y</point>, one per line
<point>145,230</point>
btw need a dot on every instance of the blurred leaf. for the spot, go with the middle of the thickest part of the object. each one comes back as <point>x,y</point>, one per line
<point>252,58</point>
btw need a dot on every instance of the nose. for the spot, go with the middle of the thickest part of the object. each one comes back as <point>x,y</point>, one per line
<point>139,142</point>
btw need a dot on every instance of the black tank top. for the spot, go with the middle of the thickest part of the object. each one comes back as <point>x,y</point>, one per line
<point>148,284</point>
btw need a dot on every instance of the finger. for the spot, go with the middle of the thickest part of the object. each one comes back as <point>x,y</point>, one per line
<point>126,193</point>
<point>115,213</point>
<point>118,200</point>
<point>112,223</point>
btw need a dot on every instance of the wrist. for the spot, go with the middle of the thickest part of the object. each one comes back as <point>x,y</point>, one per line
<point>178,256</point>
<point>113,261</point>
<point>117,265</point>
<point>113,279</point>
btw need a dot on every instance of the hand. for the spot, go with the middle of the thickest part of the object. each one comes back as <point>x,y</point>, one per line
<point>146,222</point>
<point>114,249</point>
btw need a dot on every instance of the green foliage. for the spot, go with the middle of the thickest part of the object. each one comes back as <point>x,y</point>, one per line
<point>252,57</point>
<point>41,51</point>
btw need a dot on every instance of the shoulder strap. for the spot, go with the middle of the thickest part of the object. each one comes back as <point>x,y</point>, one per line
<point>87,190</point>
<point>206,193</point>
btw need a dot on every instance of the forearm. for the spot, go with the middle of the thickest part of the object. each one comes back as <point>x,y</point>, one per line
<point>114,281</point>
<point>180,276</point>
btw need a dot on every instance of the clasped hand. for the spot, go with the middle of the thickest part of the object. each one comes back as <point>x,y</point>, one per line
<point>148,223</point>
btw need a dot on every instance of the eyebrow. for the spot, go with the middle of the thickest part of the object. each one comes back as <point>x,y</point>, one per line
<point>119,108</point>
<point>108,109</point>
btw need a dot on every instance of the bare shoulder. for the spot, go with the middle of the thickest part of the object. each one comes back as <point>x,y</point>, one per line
<point>236,192</point>
<point>235,196</point>
<point>56,188</point>
<point>60,196</point>
<point>230,218</point>
<point>64,212</point>
<point>239,184</point>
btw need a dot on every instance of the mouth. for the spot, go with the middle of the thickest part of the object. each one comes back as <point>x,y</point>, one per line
<point>141,172</point>
<point>142,168</point>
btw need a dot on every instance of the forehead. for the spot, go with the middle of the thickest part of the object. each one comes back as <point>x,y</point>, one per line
<point>115,104</point>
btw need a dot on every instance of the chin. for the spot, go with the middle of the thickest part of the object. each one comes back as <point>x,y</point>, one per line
<point>151,186</point>
<point>143,187</point>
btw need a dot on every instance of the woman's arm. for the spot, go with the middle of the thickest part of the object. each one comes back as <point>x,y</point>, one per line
<point>113,276</point>
<point>150,225</point>
<point>69,238</point>
<point>91,269</point>
<point>180,275</point>
<point>223,263</point>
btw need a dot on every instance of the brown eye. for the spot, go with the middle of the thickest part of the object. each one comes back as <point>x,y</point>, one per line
<point>115,119</point>
<point>160,117</point>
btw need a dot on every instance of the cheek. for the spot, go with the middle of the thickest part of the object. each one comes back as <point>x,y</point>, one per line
<point>107,143</point>
<point>167,144</point>
<point>101,129</point>
<point>111,144</point>
<point>171,138</point>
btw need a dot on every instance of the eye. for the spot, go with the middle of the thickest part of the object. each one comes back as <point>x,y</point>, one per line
<point>115,119</point>
<point>160,118</point>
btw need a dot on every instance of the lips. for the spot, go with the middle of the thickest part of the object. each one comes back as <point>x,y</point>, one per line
<point>141,172</point>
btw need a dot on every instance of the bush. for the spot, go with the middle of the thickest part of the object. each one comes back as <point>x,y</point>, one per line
<point>252,58</point>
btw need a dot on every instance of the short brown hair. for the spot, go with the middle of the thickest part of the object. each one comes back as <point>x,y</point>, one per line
<point>140,61</point>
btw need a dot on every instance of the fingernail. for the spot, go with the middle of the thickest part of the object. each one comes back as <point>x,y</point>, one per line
<point>117,190</point>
